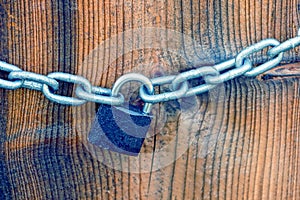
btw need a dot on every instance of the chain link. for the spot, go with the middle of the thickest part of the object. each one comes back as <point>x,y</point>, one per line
<point>285,46</point>
<point>6,84</point>
<point>241,65</point>
<point>99,95</point>
<point>69,78</point>
<point>32,80</point>
<point>231,74</point>
<point>193,74</point>
<point>166,96</point>
<point>254,49</point>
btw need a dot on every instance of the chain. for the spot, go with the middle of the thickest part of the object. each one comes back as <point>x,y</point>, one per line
<point>241,65</point>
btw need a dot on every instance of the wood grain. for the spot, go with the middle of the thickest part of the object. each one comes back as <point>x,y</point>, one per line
<point>246,133</point>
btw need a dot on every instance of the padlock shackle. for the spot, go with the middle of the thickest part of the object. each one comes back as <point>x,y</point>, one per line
<point>134,77</point>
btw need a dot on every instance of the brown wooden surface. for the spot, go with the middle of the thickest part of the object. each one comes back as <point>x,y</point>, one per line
<point>247,144</point>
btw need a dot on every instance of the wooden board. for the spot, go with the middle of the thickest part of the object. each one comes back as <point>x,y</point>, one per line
<point>246,132</point>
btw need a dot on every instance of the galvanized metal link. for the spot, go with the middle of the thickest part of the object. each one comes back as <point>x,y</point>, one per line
<point>6,84</point>
<point>69,78</point>
<point>166,96</point>
<point>163,80</point>
<point>99,95</point>
<point>231,74</point>
<point>283,47</point>
<point>33,80</point>
<point>240,58</point>
<point>196,73</point>
<point>241,65</point>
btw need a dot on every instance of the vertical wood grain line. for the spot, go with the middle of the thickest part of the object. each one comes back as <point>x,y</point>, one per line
<point>5,189</point>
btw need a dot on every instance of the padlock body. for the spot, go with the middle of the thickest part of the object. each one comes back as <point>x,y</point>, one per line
<point>120,129</point>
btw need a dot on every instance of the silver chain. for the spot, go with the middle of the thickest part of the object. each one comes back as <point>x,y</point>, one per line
<point>241,65</point>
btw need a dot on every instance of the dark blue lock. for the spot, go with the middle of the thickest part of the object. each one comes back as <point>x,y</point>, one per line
<point>122,128</point>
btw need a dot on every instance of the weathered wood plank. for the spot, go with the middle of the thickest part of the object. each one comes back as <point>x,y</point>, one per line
<point>247,138</point>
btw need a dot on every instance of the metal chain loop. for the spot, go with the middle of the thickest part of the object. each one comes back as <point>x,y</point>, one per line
<point>254,49</point>
<point>33,80</point>
<point>162,80</point>
<point>69,78</point>
<point>10,85</point>
<point>196,73</point>
<point>283,47</point>
<point>230,74</point>
<point>166,96</point>
<point>225,65</point>
<point>212,75</point>
<point>99,95</point>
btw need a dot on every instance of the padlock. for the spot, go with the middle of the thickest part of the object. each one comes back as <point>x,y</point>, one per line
<point>123,128</point>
